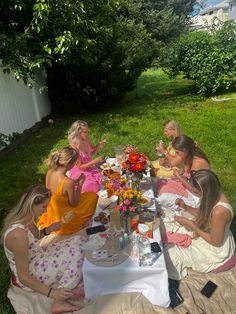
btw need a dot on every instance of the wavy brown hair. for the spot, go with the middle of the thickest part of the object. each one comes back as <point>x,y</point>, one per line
<point>187,145</point>
<point>23,210</point>
<point>208,184</point>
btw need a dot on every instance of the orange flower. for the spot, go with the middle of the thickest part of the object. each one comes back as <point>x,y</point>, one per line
<point>124,165</point>
<point>134,157</point>
<point>138,166</point>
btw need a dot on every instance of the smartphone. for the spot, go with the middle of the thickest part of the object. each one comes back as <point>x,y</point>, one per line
<point>209,289</point>
<point>175,297</point>
<point>93,230</point>
<point>155,247</point>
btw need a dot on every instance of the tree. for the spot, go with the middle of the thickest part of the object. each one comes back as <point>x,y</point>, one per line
<point>207,58</point>
<point>93,51</point>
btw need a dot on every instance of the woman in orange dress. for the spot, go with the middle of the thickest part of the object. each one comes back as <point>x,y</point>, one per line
<point>67,203</point>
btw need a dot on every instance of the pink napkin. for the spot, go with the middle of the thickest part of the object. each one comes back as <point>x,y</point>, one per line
<point>171,186</point>
<point>180,239</point>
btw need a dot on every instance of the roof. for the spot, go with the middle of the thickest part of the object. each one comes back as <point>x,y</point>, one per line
<point>221,5</point>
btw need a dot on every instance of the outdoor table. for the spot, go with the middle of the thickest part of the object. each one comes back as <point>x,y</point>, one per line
<point>151,281</point>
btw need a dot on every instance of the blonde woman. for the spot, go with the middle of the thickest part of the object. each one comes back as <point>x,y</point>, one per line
<point>78,137</point>
<point>67,198</point>
<point>212,243</point>
<point>172,129</point>
<point>49,271</point>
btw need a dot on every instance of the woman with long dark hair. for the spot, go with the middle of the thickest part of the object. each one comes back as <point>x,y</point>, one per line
<point>209,226</point>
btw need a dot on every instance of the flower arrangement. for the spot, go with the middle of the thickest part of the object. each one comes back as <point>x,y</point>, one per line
<point>114,185</point>
<point>129,201</point>
<point>129,149</point>
<point>135,163</point>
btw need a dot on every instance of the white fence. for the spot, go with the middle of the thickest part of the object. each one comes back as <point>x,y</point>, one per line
<point>21,107</point>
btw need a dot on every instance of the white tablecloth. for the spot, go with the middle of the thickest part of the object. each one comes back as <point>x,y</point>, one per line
<point>151,281</point>
<point>129,277</point>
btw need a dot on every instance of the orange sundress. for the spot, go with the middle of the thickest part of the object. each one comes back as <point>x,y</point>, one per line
<point>59,205</point>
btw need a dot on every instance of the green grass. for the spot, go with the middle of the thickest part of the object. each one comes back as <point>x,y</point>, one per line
<point>137,120</point>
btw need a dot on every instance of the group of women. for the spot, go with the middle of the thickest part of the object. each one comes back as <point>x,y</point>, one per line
<point>69,201</point>
<point>208,223</point>
<point>62,208</point>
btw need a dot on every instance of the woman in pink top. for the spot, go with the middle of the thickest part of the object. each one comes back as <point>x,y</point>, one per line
<point>78,137</point>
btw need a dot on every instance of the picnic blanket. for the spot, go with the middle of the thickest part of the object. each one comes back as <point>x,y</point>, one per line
<point>223,301</point>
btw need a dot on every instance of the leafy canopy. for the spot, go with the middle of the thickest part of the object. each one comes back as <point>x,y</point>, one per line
<point>93,51</point>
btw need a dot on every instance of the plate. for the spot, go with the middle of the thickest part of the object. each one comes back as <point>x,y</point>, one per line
<point>146,201</point>
<point>105,166</point>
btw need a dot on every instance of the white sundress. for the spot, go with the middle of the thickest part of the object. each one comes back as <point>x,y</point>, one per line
<point>58,266</point>
<point>200,255</point>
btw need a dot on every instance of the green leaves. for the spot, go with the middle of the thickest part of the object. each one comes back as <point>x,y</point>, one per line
<point>207,58</point>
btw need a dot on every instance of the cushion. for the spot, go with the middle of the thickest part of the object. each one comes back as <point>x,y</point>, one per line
<point>230,263</point>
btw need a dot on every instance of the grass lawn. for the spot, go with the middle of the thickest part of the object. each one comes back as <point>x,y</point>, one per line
<point>138,120</point>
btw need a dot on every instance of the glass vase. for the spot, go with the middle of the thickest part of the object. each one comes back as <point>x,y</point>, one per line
<point>125,223</point>
<point>135,181</point>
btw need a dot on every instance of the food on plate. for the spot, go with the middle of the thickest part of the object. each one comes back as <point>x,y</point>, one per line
<point>146,201</point>
<point>111,174</point>
<point>102,217</point>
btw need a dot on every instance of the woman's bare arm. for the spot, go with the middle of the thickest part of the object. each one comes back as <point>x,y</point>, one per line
<point>17,242</point>
<point>220,217</point>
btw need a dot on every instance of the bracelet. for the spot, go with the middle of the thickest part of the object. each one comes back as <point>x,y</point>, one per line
<point>44,232</point>
<point>50,290</point>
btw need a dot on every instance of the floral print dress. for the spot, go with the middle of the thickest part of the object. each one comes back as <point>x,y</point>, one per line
<point>58,266</point>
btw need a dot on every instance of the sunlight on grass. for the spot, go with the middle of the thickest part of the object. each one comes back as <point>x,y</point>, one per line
<point>137,120</point>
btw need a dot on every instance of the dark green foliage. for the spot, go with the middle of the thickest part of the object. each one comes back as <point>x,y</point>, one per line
<point>95,50</point>
<point>206,58</point>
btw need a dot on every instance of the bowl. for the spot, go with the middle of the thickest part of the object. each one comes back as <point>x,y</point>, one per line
<point>146,201</point>
<point>103,202</point>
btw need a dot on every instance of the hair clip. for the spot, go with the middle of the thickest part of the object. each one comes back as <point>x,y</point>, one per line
<point>55,157</point>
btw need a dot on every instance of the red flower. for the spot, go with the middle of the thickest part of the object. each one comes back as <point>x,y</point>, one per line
<point>134,157</point>
<point>138,166</point>
<point>124,165</point>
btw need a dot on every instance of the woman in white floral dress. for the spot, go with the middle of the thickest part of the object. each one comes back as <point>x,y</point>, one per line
<point>53,272</point>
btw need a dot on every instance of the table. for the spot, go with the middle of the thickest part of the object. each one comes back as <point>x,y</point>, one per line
<point>151,281</point>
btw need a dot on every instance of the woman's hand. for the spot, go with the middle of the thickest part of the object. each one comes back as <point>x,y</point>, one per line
<point>81,179</point>
<point>181,203</point>
<point>98,160</point>
<point>101,144</point>
<point>53,227</point>
<point>161,148</point>
<point>61,294</point>
<point>177,172</point>
<point>184,221</point>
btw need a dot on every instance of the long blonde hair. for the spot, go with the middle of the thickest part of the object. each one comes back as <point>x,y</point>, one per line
<point>173,125</point>
<point>208,184</point>
<point>61,158</point>
<point>23,210</point>
<point>75,131</point>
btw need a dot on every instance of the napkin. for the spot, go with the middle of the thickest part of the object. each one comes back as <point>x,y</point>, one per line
<point>95,242</point>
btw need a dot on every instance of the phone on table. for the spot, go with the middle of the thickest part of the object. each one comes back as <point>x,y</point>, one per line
<point>209,289</point>
<point>155,247</point>
<point>175,297</point>
<point>96,229</point>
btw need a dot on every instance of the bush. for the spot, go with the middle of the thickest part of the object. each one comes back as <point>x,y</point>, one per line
<point>207,58</point>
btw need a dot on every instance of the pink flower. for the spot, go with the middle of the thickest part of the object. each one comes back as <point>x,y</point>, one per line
<point>132,208</point>
<point>118,207</point>
<point>127,202</point>
<point>124,208</point>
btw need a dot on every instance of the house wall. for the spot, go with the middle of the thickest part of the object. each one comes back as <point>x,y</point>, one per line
<point>232,10</point>
<point>20,106</point>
